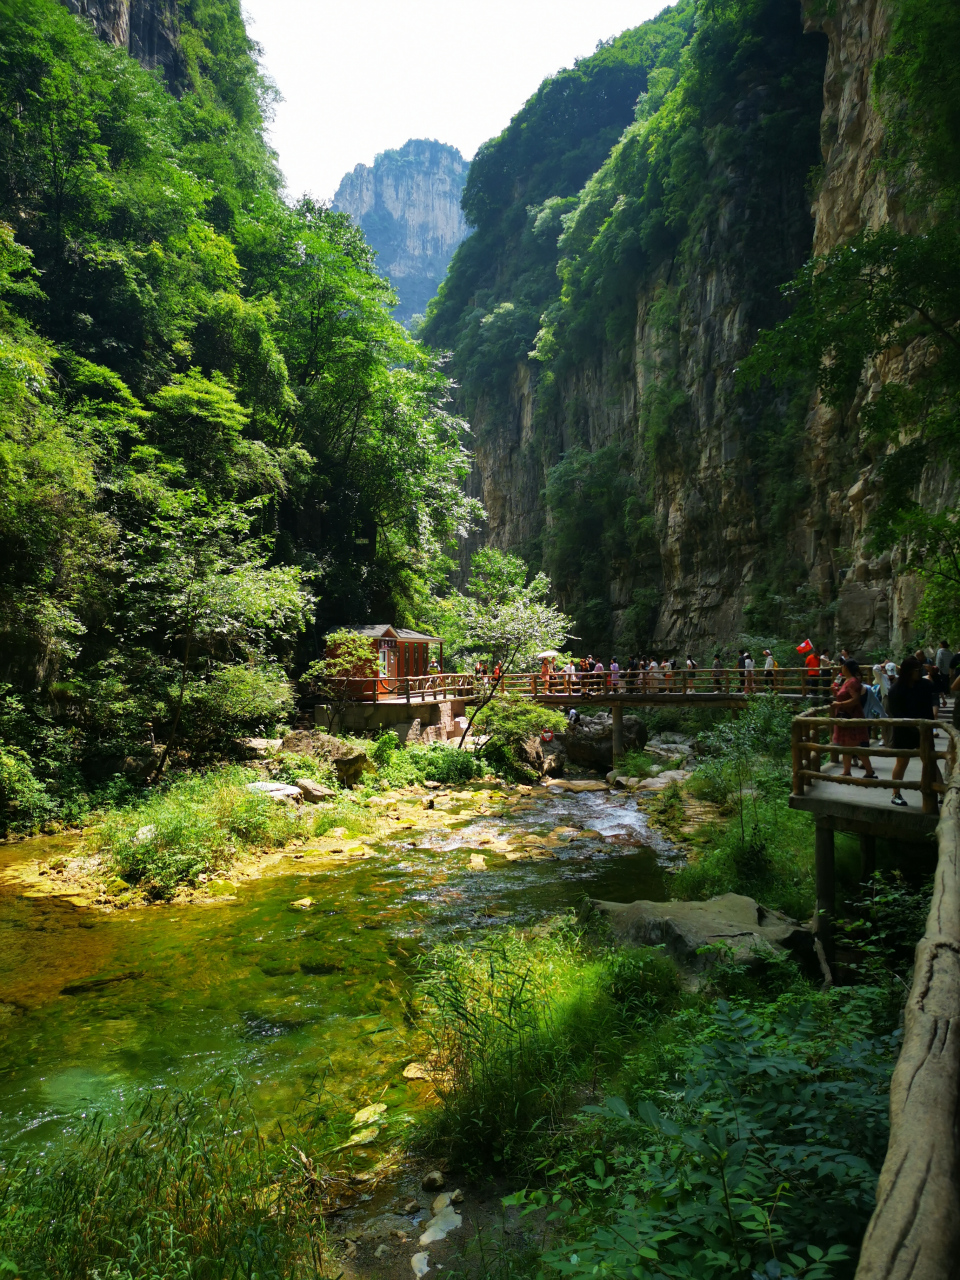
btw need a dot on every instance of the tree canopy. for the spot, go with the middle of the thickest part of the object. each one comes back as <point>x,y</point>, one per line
<point>215,442</point>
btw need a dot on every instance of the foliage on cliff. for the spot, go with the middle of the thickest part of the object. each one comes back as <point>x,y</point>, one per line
<point>522,184</point>
<point>707,178</point>
<point>212,434</point>
<point>887,291</point>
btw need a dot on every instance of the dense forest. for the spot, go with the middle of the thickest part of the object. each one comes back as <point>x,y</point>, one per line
<point>216,441</point>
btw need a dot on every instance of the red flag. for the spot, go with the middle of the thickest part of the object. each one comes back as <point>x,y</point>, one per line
<point>806,647</point>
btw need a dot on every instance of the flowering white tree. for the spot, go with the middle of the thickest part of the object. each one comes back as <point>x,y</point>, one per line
<point>502,617</point>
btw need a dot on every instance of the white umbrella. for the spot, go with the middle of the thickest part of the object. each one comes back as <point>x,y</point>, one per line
<point>550,653</point>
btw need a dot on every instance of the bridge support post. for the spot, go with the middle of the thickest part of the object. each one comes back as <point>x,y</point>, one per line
<point>617,709</point>
<point>826,888</point>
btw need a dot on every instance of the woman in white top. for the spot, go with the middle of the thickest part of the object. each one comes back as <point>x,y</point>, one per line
<point>614,673</point>
<point>748,667</point>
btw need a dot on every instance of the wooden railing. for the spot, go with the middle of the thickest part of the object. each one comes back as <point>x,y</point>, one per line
<point>430,688</point>
<point>813,729</point>
<point>914,1233</point>
<point>727,682</point>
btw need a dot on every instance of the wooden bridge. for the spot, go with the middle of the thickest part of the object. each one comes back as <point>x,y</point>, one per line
<point>914,1233</point>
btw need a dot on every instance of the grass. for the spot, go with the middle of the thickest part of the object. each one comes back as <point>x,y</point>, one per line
<point>197,824</point>
<point>519,1027</point>
<point>185,1189</point>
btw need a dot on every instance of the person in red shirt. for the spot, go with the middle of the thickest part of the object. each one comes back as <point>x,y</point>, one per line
<point>812,663</point>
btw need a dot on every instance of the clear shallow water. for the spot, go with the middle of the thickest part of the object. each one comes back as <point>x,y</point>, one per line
<point>96,1009</point>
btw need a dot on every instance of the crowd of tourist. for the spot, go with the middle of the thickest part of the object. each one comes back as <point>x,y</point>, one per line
<point>917,688</point>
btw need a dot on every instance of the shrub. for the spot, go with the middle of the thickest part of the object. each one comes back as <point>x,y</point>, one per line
<point>773,863</point>
<point>642,981</point>
<point>199,823</point>
<point>445,764</point>
<point>343,812</point>
<point>518,1024</point>
<point>509,724</point>
<point>725,1170</point>
<point>237,700</point>
<point>24,802</point>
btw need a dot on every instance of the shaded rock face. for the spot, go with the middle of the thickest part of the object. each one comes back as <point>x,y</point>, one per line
<point>408,205</point>
<point>589,744</point>
<point>148,29</point>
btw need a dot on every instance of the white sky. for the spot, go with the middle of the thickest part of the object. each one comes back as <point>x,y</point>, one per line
<point>364,76</point>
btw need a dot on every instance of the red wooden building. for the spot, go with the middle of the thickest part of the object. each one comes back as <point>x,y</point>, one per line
<point>400,653</point>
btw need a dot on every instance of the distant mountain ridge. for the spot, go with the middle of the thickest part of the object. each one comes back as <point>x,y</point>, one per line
<point>408,205</point>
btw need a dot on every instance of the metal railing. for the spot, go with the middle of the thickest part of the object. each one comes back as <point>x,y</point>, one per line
<point>813,729</point>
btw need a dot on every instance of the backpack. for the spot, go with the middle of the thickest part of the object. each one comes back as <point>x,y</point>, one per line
<point>871,704</point>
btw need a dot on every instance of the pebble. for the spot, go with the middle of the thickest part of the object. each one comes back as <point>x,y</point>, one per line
<point>432,1181</point>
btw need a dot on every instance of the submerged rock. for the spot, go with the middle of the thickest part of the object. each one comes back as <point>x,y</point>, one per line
<point>750,930</point>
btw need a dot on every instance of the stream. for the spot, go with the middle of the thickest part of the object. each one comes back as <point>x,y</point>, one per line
<point>96,1009</point>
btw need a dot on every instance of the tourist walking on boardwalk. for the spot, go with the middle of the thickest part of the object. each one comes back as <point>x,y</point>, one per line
<point>848,703</point>
<point>614,676</point>
<point>717,673</point>
<point>826,672</point>
<point>569,676</point>
<point>942,661</point>
<point>691,674</point>
<point>910,698</point>
<point>748,669</point>
<point>742,667</point>
<point>768,666</point>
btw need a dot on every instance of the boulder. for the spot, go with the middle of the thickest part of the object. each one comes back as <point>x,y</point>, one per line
<point>314,792</point>
<point>554,760</point>
<point>302,742</point>
<point>530,753</point>
<point>276,790</point>
<point>589,743</point>
<point>261,746</point>
<point>683,928</point>
<point>351,768</point>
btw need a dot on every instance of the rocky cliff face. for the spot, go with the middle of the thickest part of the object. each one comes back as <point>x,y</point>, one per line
<point>408,204</point>
<point>715,536</point>
<point>874,602</point>
<point>148,29</point>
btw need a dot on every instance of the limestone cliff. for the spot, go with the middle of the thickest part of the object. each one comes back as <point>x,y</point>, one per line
<point>148,29</point>
<point>740,491</point>
<point>408,204</point>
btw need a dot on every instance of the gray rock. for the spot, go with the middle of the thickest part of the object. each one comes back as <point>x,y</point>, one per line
<point>590,743</point>
<point>276,790</point>
<point>432,1181</point>
<point>683,928</point>
<point>314,791</point>
<point>351,768</point>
